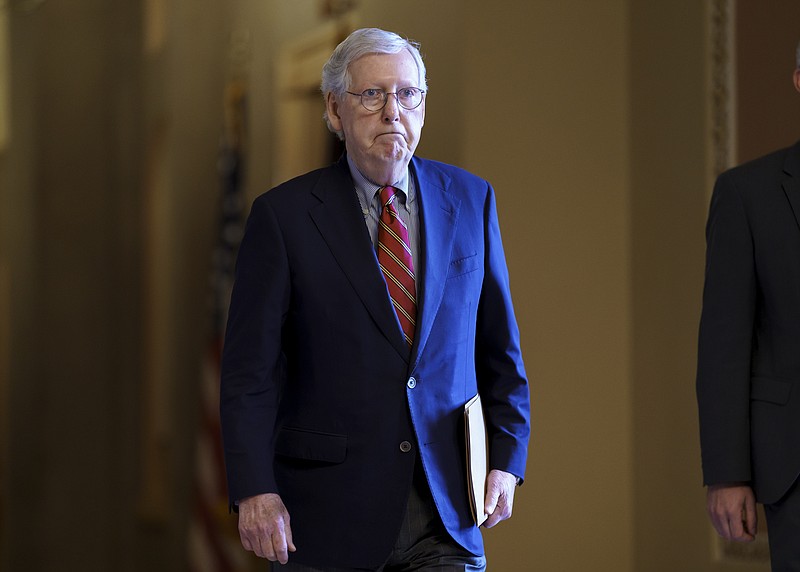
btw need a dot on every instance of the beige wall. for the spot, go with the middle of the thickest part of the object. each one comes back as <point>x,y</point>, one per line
<point>5,295</point>
<point>71,317</point>
<point>4,119</point>
<point>588,118</point>
<point>548,127</point>
<point>669,194</point>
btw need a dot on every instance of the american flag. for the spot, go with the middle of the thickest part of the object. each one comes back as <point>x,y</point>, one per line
<point>213,543</point>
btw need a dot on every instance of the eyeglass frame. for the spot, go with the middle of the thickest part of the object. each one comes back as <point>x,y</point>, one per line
<point>386,95</point>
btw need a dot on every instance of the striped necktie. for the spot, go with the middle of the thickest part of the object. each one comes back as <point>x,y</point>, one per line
<point>394,257</point>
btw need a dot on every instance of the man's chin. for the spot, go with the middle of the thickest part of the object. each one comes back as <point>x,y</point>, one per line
<point>386,157</point>
<point>380,167</point>
<point>395,152</point>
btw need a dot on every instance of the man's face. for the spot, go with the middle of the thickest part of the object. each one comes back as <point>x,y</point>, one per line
<point>380,142</point>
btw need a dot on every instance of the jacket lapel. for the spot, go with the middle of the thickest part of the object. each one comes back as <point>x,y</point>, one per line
<point>438,217</point>
<point>791,181</point>
<point>338,218</point>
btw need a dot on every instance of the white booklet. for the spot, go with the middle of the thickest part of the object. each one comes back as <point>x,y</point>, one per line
<point>475,430</point>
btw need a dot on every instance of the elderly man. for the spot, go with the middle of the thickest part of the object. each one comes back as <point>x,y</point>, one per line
<point>748,379</point>
<point>371,303</point>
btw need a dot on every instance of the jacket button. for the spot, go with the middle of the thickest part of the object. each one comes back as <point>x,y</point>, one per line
<point>405,446</point>
<point>412,383</point>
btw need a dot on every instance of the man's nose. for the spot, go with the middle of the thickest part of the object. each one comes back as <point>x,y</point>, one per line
<point>391,111</point>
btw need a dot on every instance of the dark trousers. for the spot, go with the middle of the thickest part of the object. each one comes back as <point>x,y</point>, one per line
<point>423,543</point>
<point>783,522</point>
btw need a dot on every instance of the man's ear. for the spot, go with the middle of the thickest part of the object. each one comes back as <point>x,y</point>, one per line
<point>332,107</point>
<point>797,79</point>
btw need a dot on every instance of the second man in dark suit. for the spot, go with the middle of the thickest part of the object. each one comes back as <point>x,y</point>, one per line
<point>748,380</point>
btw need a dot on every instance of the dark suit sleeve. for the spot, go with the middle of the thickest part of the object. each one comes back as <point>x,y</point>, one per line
<point>726,338</point>
<point>502,381</point>
<point>251,361</point>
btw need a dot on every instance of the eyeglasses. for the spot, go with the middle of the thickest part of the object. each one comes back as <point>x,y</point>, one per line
<point>375,99</point>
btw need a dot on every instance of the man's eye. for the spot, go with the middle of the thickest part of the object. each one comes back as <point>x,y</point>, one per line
<point>371,93</point>
<point>408,92</point>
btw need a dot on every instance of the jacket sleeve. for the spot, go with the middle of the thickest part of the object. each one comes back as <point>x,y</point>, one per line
<point>726,338</point>
<point>251,371</point>
<point>502,381</point>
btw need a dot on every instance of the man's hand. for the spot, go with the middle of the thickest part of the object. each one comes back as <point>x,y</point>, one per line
<point>499,496</point>
<point>264,527</point>
<point>732,509</point>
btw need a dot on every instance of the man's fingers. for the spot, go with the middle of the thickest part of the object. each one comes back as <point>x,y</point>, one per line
<point>750,516</point>
<point>264,527</point>
<point>246,542</point>
<point>279,544</point>
<point>265,545</point>
<point>738,531</point>
<point>720,524</point>
<point>736,526</point>
<point>732,509</point>
<point>272,545</point>
<point>492,497</point>
<point>727,524</point>
<point>495,516</point>
<point>265,549</point>
<point>289,541</point>
<point>499,496</point>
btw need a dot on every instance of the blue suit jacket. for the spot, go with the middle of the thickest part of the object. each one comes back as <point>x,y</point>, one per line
<point>317,393</point>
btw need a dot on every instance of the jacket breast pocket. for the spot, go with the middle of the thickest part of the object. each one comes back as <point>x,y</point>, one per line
<point>463,265</point>
<point>311,445</point>
<point>771,390</point>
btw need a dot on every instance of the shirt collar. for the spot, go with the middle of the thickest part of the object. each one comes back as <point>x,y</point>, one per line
<point>366,189</point>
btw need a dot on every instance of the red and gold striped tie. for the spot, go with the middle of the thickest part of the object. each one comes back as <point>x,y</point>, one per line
<point>394,257</point>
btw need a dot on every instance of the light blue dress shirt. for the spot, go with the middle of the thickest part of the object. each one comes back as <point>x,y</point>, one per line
<point>407,207</point>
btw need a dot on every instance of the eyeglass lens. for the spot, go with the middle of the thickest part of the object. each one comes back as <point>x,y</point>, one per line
<point>407,97</point>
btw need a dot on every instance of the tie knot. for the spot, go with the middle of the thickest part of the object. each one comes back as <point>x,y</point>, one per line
<point>387,195</point>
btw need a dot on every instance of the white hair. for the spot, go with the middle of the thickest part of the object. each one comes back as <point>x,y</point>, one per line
<point>336,71</point>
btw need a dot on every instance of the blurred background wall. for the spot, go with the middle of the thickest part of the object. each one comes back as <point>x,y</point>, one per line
<point>593,120</point>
